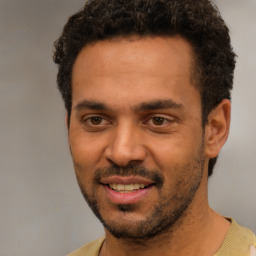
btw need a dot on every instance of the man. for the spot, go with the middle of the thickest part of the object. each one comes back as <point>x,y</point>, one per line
<point>146,85</point>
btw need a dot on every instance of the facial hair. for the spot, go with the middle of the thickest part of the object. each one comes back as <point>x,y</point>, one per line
<point>169,208</point>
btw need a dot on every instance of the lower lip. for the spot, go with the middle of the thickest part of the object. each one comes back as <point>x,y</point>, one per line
<point>126,198</point>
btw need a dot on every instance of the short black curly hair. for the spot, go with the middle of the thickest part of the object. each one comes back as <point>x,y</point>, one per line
<point>198,21</point>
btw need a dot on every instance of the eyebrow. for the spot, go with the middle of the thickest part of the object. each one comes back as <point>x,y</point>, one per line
<point>158,104</point>
<point>144,106</point>
<point>93,105</point>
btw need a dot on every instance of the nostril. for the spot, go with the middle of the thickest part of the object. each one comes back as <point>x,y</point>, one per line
<point>125,157</point>
<point>129,165</point>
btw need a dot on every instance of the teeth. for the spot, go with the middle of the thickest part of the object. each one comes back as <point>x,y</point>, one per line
<point>136,186</point>
<point>120,187</point>
<point>126,188</point>
<point>114,186</point>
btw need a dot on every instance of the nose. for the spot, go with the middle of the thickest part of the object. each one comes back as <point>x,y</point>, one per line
<point>125,146</point>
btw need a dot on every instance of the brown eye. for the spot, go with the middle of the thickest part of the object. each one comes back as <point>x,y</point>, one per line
<point>96,120</point>
<point>158,120</point>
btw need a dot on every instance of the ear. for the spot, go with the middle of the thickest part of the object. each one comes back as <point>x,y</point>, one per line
<point>217,128</point>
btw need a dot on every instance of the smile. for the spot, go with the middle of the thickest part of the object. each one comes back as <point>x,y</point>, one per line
<point>127,188</point>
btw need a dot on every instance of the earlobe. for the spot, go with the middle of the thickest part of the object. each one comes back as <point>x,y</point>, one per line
<point>217,128</point>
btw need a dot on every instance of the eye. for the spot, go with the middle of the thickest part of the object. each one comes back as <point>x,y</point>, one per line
<point>158,120</point>
<point>93,123</point>
<point>95,120</point>
<point>161,123</point>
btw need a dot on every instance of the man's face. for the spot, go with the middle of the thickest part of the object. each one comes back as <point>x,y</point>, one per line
<point>135,133</point>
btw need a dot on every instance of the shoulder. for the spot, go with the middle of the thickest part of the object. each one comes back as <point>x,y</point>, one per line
<point>90,249</point>
<point>237,241</point>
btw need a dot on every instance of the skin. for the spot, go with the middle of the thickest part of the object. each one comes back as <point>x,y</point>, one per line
<point>111,82</point>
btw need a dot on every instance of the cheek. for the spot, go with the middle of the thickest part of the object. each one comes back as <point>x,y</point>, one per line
<point>173,155</point>
<point>86,151</point>
<point>172,149</point>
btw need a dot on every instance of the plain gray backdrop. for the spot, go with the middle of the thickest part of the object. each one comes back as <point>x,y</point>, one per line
<point>41,209</point>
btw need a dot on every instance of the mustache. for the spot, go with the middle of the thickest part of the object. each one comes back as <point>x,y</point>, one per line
<point>129,170</point>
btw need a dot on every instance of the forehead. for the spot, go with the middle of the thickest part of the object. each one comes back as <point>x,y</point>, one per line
<point>133,68</point>
<point>170,51</point>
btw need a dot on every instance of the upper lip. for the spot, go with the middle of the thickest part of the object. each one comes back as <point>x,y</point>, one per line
<point>126,180</point>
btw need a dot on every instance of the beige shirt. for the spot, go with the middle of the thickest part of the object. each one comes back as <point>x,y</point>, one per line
<point>237,242</point>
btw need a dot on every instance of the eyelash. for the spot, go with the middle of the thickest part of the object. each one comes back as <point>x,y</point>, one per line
<point>163,120</point>
<point>89,120</point>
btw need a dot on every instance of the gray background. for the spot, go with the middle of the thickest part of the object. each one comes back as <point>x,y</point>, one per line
<point>41,209</point>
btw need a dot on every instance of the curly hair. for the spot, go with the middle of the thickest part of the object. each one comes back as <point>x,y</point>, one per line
<point>198,21</point>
